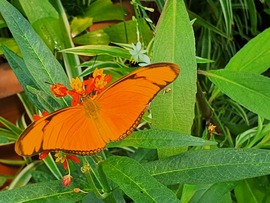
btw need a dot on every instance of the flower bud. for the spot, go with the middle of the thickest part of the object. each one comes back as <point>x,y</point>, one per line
<point>66,180</point>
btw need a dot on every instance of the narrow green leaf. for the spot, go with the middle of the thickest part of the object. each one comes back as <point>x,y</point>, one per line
<point>38,59</point>
<point>254,56</point>
<point>7,136</point>
<point>211,166</point>
<point>23,178</point>
<point>206,24</point>
<point>174,42</point>
<point>253,16</point>
<point>93,50</point>
<point>248,89</point>
<point>226,7</point>
<point>51,191</point>
<point>71,61</point>
<point>10,43</point>
<point>26,79</point>
<point>50,163</point>
<point>133,179</point>
<point>17,131</point>
<point>153,139</point>
<point>48,102</point>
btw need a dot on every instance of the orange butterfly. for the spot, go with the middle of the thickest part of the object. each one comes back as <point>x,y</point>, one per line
<point>111,116</point>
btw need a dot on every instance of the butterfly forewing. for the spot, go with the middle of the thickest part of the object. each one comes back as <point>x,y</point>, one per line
<point>112,115</point>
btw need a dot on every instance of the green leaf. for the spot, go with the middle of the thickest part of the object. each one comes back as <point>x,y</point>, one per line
<point>27,80</point>
<point>248,89</point>
<point>206,24</point>
<point>13,128</point>
<point>2,180</point>
<point>10,43</point>
<point>133,179</point>
<point>48,102</point>
<point>101,10</point>
<point>126,32</point>
<point>51,191</point>
<point>40,62</point>
<point>252,190</point>
<point>93,38</point>
<point>7,136</point>
<point>50,163</point>
<point>51,24</point>
<point>23,178</point>
<point>93,50</point>
<point>211,166</point>
<point>79,24</point>
<point>254,56</point>
<point>153,139</point>
<point>174,42</point>
<point>217,192</point>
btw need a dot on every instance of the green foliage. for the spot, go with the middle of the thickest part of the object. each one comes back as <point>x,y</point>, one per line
<point>173,29</point>
<point>134,180</point>
<point>164,163</point>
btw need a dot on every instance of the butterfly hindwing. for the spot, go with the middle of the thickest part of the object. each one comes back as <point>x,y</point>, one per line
<point>66,130</point>
<point>112,115</point>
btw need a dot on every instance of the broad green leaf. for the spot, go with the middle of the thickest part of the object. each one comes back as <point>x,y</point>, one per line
<point>252,190</point>
<point>79,24</point>
<point>153,139</point>
<point>218,192</point>
<point>254,56</point>
<point>40,62</point>
<point>101,10</point>
<point>248,89</point>
<point>126,32</point>
<point>44,19</point>
<point>93,50</point>
<point>42,9</point>
<point>51,191</point>
<point>93,38</point>
<point>91,197</point>
<point>134,180</point>
<point>174,42</point>
<point>211,166</point>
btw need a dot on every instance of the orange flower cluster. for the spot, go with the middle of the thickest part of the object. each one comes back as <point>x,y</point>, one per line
<point>79,89</point>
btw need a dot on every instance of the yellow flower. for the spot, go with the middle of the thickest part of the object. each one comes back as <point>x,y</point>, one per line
<point>98,72</point>
<point>60,157</point>
<point>77,85</point>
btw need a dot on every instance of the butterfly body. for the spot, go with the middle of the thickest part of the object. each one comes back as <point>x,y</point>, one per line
<point>112,115</point>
